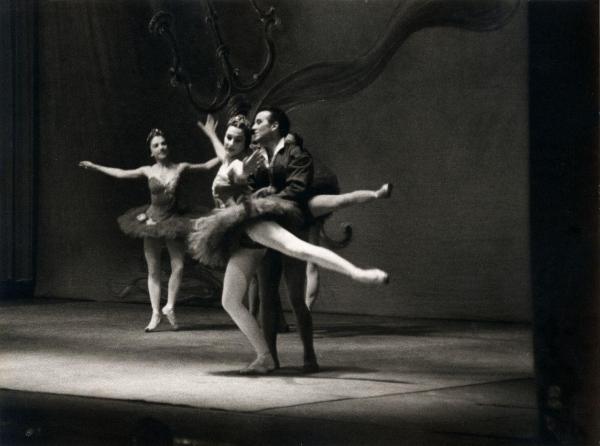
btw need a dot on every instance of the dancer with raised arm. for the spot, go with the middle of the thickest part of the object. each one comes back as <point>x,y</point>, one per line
<point>158,222</point>
<point>253,217</point>
<point>233,186</point>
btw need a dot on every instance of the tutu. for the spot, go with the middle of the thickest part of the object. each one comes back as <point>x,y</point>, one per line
<point>325,181</point>
<point>134,223</point>
<point>216,236</point>
<point>162,217</point>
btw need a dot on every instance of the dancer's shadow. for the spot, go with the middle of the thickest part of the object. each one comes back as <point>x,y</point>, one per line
<point>344,331</point>
<point>335,373</point>
<point>288,372</point>
<point>207,327</point>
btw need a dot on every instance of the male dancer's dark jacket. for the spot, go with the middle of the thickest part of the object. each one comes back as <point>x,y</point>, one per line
<point>289,175</point>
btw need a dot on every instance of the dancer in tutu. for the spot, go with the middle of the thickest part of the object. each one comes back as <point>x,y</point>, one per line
<point>244,225</point>
<point>326,198</point>
<point>159,221</point>
<point>233,191</point>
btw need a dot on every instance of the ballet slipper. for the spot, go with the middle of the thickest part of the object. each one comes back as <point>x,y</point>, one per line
<point>154,322</point>
<point>262,365</point>
<point>373,276</point>
<point>170,314</point>
<point>386,190</point>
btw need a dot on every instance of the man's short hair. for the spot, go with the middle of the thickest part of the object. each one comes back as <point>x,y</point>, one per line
<point>278,116</point>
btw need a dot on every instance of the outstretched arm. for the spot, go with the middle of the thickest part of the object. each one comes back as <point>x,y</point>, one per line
<point>210,129</point>
<point>201,166</point>
<point>113,171</point>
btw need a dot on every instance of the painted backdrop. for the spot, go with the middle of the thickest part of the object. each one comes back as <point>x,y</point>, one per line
<point>446,122</point>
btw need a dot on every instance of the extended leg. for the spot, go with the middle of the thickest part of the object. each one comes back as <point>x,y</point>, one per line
<point>152,248</point>
<point>324,204</point>
<point>273,236</point>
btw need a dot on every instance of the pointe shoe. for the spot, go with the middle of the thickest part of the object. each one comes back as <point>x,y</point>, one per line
<point>262,365</point>
<point>153,324</point>
<point>170,314</point>
<point>386,190</point>
<point>374,276</point>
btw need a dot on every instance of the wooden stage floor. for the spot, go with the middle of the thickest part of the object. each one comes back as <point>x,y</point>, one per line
<point>80,372</point>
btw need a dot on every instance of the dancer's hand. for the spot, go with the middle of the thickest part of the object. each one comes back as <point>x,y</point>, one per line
<point>252,163</point>
<point>210,126</point>
<point>86,164</point>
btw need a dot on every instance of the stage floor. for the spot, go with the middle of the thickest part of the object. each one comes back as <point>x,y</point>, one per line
<point>87,369</point>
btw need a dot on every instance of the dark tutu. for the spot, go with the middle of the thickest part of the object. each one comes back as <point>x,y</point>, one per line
<point>325,181</point>
<point>178,225</point>
<point>324,185</point>
<point>216,236</point>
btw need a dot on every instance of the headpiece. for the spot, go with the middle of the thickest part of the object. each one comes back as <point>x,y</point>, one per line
<point>239,121</point>
<point>152,134</point>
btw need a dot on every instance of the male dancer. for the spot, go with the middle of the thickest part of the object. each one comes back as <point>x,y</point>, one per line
<point>290,173</point>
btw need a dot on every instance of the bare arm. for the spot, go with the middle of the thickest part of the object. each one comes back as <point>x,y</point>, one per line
<point>115,172</point>
<point>201,166</point>
<point>210,129</point>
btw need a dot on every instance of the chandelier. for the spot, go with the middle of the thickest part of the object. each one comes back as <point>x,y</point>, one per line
<point>230,81</point>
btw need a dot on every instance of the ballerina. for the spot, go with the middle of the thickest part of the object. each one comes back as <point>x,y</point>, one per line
<point>243,226</point>
<point>159,221</point>
<point>233,183</point>
<point>325,200</point>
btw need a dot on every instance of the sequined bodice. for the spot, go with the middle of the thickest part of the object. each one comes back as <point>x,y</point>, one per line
<point>163,201</point>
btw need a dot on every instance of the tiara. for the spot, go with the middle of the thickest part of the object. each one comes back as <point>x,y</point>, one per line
<point>154,132</point>
<point>238,121</point>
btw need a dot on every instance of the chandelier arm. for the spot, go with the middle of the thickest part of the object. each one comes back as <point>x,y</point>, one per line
<point>228,81</point>
<point>269,21</point>
<point>219,100</point>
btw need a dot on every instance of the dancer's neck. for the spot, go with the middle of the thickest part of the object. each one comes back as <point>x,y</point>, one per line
<point>164,164</point>
<point>271,144</point>
<point>240,156</point>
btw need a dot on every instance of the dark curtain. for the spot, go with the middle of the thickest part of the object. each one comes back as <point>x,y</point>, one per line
<point>17,142</point>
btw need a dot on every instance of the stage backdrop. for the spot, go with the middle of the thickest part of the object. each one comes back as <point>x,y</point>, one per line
<point>446,122</point>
